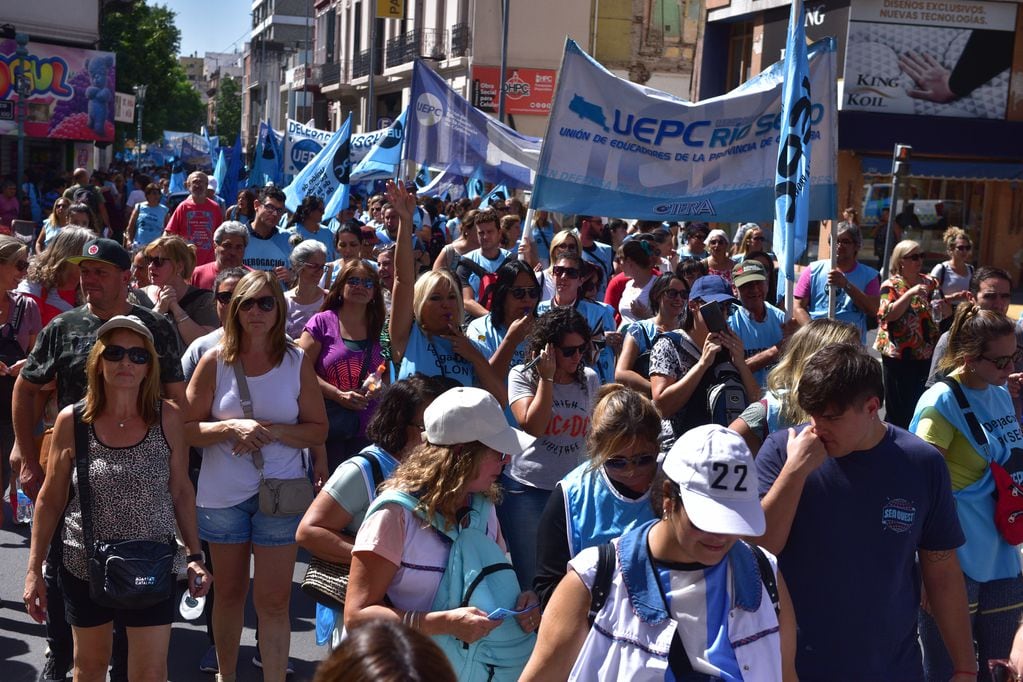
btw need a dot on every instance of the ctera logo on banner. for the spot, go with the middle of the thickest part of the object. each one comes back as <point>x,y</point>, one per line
<point>617,148</point>
<point>447,132</point>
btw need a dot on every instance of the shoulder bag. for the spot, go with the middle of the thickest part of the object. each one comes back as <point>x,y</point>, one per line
<point>123,574</point>
<point>277,496</point>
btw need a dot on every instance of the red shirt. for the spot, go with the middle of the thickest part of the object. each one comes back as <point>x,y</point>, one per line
<point>204,276</point>
<point>196,223</point>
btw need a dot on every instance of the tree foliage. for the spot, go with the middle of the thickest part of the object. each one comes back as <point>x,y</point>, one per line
<point>228,107</point>
<point>146,42</point>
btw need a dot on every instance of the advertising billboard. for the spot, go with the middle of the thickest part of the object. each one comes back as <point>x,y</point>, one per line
<point>528,91</point>
<point>71,91</point>
<point>929,57</point>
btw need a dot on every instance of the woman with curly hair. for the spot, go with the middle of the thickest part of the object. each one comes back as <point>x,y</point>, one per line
<point>399,556</point>
<point>606,495</point>
<point>552,400</point>
<point>779,408</point>
<point>52,279</point>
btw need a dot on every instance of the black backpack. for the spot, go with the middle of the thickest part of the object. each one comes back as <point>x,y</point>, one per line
<point>722,385</point>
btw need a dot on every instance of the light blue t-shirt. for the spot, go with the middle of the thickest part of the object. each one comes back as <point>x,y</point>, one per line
<point>757,336</point>
<point>488,264</point>
<point>267,254</point>
<point>149,223</point>
<point>488,337</point>
<point>323,235</point>
<point>433,356</point>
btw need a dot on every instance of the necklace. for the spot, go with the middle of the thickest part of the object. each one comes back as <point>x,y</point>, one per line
<point>121,424</point>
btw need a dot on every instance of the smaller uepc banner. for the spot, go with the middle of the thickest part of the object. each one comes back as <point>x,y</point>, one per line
<point>301,144</point>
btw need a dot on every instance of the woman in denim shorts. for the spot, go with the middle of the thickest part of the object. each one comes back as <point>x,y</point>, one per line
<point>287,417</point>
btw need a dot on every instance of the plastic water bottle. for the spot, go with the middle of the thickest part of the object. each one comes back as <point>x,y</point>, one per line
<point>25,508</point>
<point>192,607</point>
<point>936,304</point>
<point>375,380</point>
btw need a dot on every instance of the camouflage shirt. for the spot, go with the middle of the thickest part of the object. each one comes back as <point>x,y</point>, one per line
<point>62,349</point>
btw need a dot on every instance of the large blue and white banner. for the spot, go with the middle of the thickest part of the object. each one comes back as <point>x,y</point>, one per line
<point>792,172</point>
<point>382,160</point>
<point>326,175</point>
<point>301,144</point>
<point>616,148</point>
<point>445,131</point>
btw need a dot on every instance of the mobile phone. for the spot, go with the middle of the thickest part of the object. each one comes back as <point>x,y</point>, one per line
<point>713,317</point>
<point>501,614</point>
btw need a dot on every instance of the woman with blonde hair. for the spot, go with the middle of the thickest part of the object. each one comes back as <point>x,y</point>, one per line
<point>400,557</point>
<point>254,407</point>
<point>136,456</point>
<point>753,241</point>
<point>906,331</point>
<point>58,219</point>
<point>52,279</point>
<point>426,316</point>
<point>779,408</point>
<point>606,495</point>
<point>190,310</point>
<point>954,275</point>
<point>977,365</point>
<point>564,243</point>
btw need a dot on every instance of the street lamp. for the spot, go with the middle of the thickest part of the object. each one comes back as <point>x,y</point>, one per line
<point>140,98</point>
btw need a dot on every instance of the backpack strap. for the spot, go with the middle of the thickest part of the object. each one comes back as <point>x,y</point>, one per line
<point>942,272</point>
<point>964,406</point>
<point>606,561</point>
<point>767,576</point>
<point>82,467</point>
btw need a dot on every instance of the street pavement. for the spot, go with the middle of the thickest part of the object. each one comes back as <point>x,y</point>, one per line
<point>23,642</point>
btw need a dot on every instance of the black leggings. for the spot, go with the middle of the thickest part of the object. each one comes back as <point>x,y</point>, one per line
<point>903,385</point>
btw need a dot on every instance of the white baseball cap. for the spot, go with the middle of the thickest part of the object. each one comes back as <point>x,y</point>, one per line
<point>715,473</point>
<point>130,322</point>
<point>464,414</point>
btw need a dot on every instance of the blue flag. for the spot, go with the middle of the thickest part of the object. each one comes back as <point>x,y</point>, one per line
<point>474,188</point>
<point>383,160</point>
<point>229,185</point>
<point>497,195</point>
<point>445,185</point>
<point>792,173</point>
<point>268,164</point>
<point>220,171</point>
<point>445,131</point>
<point>327,175</point>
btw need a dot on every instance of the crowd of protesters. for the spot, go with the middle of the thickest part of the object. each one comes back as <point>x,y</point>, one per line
<point>537,450</point>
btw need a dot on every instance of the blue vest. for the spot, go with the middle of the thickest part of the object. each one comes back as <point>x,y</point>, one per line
<point>986,555</point>
<point>845,309</point>
<point>149,223</point>
<point>596,512</point>
<point>433,356</point>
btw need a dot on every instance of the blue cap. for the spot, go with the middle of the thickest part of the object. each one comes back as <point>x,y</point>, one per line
<point>712,288</point>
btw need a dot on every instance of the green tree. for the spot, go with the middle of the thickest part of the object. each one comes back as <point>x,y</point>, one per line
<point>146,42</point>
<point>228,107</point>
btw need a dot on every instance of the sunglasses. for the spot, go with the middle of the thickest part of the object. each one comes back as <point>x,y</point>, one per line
<point>571,351</point>
<point>364,282</point>
<point>716,242</point>
<point>562,271</point>
<point>757,239</point>
<point>968,247</point>
<point>620,463</point>
<point>137,354</point>
<point>520,293</point>
<point>913,256</point>
<point>265,303</point>
<point>1002,362</point>
<point>158,261</point>
<point>223,297</point>
<point>22,265</point>
<point>673,293</point>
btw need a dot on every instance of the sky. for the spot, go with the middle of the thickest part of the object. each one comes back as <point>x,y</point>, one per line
<point>211,25</point>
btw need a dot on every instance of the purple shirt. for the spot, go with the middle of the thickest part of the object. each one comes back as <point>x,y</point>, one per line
<point>339,365</point>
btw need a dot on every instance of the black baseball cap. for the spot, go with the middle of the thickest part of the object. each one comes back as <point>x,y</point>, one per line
<point>105,251</point>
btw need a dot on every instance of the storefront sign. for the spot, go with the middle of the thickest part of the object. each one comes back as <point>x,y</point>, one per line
<point>527,91</point>
<point>124,107</point>
<point>929,57</point>
<point>71,93</point>
<point>390,9</point>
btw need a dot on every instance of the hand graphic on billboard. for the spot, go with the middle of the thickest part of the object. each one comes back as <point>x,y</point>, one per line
<point>929,76</point>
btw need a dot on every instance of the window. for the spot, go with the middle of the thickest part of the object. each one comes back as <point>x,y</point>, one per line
<point>740,54</point>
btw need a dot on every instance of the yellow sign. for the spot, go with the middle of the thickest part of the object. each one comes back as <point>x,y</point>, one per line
<point>391,9</point>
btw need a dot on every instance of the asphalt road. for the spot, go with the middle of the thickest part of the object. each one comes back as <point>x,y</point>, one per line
<point>23,642</point>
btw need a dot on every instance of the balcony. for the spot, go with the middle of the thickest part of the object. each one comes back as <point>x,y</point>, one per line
<point>327,74</point>
<point>460,41</point>
<point>427,43</point>
<point>360,65</point>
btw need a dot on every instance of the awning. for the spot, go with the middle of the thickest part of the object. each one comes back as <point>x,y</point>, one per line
<point>945,169</point>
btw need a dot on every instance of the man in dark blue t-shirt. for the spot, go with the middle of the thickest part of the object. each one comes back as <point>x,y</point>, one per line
<point>851,502</point>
